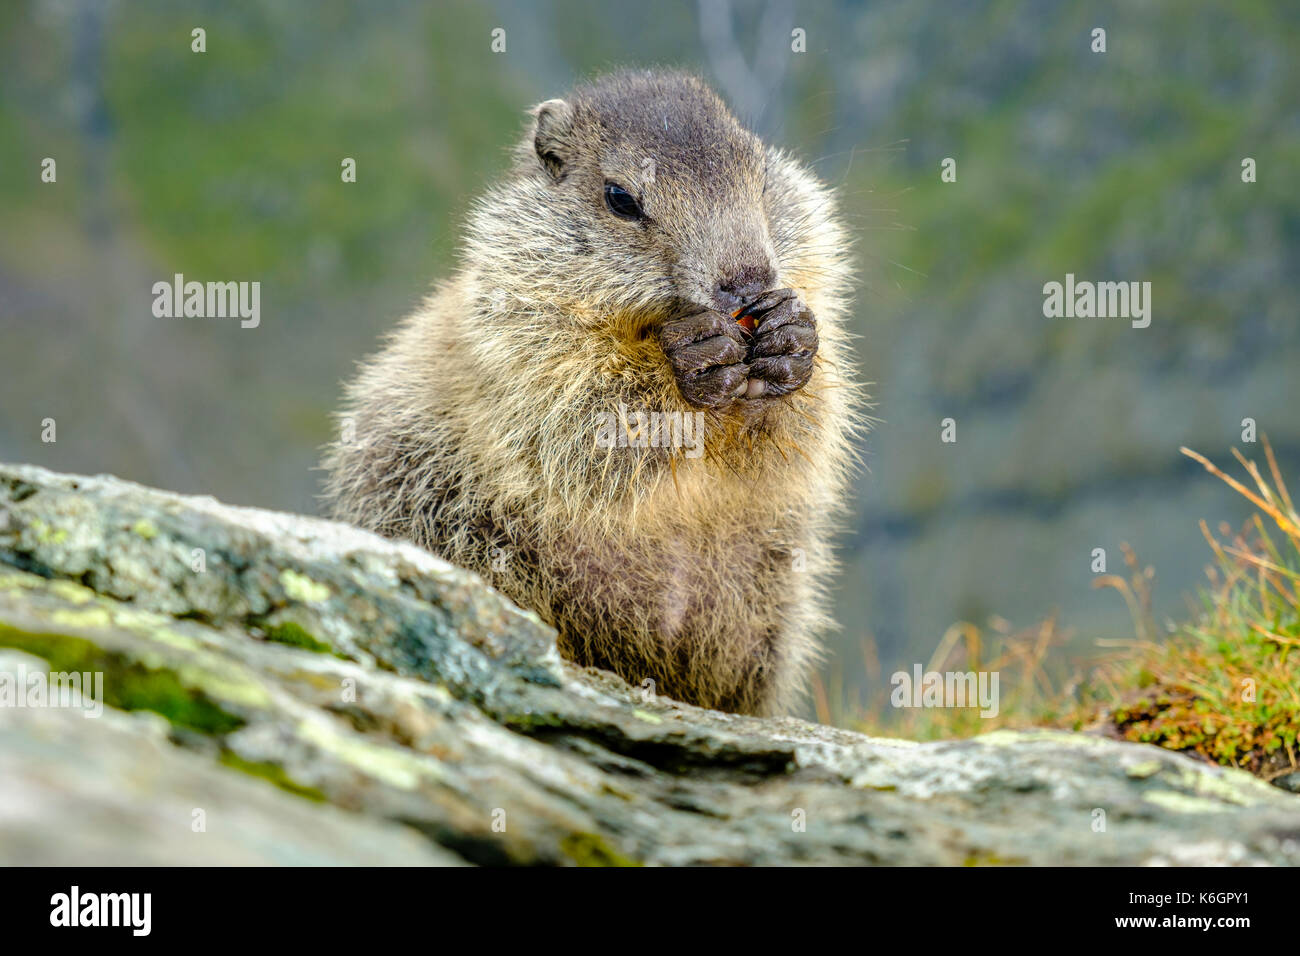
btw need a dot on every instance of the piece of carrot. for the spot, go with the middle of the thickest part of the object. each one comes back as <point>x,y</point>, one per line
<point>746,322</point>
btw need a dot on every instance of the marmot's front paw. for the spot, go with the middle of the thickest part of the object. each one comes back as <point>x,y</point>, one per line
<point>785,341</point>
<point>707,354</point>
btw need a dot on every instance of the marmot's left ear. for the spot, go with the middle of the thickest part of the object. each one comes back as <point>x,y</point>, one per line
<point>551,137</point>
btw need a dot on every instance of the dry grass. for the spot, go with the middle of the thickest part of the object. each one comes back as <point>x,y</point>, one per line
<point>1224,686</point>
<point>1031,694</point>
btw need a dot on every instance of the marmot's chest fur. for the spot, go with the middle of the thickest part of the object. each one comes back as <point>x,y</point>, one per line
<point>631,409</point>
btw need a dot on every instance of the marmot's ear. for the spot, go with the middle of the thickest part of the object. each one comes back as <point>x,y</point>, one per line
<point>551,137</point>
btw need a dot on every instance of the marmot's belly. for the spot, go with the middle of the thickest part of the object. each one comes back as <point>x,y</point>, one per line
<point>698,619</point>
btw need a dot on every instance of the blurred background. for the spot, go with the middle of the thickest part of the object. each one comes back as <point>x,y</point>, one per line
<point>1121,166</point>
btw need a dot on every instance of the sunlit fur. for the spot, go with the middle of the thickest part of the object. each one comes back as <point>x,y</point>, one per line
<point>474,431</point>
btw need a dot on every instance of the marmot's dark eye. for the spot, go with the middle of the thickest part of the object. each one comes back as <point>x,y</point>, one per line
<point>622,203</point>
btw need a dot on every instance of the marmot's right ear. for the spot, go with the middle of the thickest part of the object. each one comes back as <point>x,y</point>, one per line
<point>551,137</point>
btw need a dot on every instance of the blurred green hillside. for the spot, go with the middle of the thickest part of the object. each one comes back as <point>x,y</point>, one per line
<point>1116,166</point>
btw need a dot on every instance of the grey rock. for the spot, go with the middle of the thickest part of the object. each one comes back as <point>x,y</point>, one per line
<point>1289,782</point>
<point>323,695</point>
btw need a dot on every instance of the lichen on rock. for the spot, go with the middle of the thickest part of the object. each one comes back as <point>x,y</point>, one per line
<point>316,694</point>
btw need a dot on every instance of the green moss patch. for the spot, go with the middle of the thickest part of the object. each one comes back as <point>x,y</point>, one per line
<point>272,772</point>
<point>128,685</point>
<point>590,849</point>
<point>295,635</point>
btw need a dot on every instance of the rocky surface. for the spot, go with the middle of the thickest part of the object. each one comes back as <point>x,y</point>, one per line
<point>281,689</point>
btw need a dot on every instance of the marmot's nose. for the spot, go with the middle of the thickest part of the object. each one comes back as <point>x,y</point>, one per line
<point>742,286</point>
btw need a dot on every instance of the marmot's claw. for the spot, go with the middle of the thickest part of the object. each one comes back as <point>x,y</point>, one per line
<point>707,354</point>
<point>785,343</point>
<point>714,387</point>
<point>716,362</point>
<point>769,301</point>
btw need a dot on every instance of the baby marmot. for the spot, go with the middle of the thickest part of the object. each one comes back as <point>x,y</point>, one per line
<point>631,407</point>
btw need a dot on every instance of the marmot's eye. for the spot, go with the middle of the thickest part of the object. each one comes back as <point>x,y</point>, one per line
<point>622,203</point>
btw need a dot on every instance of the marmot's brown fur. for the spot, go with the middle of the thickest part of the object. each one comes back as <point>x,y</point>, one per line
<point>602,277</point>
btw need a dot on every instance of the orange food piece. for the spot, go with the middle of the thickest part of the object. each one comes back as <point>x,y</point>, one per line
<point>746,322</point>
